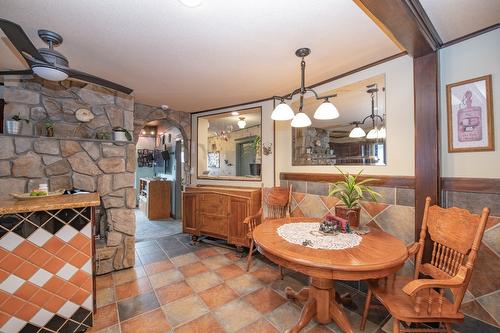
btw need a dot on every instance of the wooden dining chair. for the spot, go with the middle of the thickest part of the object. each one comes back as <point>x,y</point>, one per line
<point>455,235</point>
<point>275,205</point>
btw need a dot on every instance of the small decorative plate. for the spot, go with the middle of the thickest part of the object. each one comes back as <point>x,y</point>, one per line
<point>84,115</point>
<point>27,196</point>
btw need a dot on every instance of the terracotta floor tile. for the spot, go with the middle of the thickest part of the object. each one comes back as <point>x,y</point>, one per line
<point>184,310</point>
<point>137,305</point>
<point>320,329</point>
<point>203,281</point>
<point>244,284</point>
<point>206,252</point>
<point>11,263</point>
<point>233,256</point>
<point>265,300</point>
<point>105,317</point>
<point>286,316</point>
<point>184,259</point>
<point>218,296</point>
<point>165,278</point>
<point>173,292</point>
<point>204,324</point>
<point>104,281</point>
<point>105,296</point>
<point>216,261</point>
<point>266,275</point>
<point>26,291</point>
<point>230,271</point>
<point>27,311</point>
<point>235,315</point>
<point>260,326</point>
<point>193,269</point>
<point>132,288</point>
<point>159,266</point>
<point>128,275</point>
<point>151,322</point>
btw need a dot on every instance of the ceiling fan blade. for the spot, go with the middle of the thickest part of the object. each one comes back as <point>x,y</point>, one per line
<point>19,39</point>
<point>17,72</point>
<point>97,80</point>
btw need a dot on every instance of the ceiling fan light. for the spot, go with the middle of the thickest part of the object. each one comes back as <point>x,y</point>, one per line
<point>357,132</point>
<point>301,120</point>
<point>50,73</point>
<point>242,123</point>
<point>373,133</point>
<point>326,111</point>
<point>282,112</point>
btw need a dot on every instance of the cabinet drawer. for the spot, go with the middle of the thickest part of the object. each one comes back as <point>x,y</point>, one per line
<point>213,204</point>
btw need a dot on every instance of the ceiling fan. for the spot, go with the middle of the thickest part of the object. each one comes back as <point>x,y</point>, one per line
<point>47,63</point>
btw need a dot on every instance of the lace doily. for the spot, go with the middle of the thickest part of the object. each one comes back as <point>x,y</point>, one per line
<point>298,233</point>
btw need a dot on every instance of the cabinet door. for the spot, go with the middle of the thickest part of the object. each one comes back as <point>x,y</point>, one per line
<point>239,210</point>
<point>213,214</point>
<point>189,213</point>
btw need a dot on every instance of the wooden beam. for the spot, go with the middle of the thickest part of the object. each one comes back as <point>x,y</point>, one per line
<point>405,23</point>
<point>427,182</point>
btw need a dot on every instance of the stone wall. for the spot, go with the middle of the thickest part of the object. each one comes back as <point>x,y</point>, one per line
<point>73,158</point>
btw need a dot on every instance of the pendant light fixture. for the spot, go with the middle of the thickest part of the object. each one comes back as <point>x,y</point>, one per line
<point>242,123</point>
<point>375,132</point>
<point>283,111</point>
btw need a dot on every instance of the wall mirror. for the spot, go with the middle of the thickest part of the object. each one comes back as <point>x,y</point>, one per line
<point>357,137</point>
<point>229,145</point>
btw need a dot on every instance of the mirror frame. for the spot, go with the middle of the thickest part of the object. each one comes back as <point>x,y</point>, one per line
<point>229,178</point>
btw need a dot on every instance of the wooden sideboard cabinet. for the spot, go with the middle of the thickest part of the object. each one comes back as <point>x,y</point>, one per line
<point>219,211</point>
<point>154,198</point>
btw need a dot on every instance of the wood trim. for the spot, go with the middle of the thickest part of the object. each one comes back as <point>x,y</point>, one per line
<point>426,87</point>
<point>489,115</point>
<point>2,105</point>
<point>383,181</point>
<point>476,185</point>
<point>471,35</point>
<point>402,23</point>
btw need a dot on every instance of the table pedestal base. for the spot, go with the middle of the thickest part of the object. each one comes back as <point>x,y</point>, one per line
<point>320,302</point>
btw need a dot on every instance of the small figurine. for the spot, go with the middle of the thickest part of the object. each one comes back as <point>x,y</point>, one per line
<point>333,225</point>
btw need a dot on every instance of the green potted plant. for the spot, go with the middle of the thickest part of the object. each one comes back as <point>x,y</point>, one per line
<point>350,191</point>
<point>49,127</point>
<point>121,134</point>
<point>255,168</point>
<point>14,124</point>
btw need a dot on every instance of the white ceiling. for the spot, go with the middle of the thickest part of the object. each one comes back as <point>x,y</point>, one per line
<point>221,53</point>
<point>456,18</point>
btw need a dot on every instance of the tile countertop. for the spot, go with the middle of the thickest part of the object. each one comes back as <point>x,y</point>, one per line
<point>11,206</point>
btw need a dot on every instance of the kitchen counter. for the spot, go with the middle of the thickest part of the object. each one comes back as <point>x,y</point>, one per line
<point>12,206</point>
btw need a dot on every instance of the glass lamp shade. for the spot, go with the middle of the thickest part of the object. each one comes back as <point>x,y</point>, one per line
<point>49,73</point>
<point>242,123</point>
<point>301,120</point>
<point>282,112</point>
<point>326,111</point>
<point>382,134</point>
<point>373,133</point>
<point>357,132</point>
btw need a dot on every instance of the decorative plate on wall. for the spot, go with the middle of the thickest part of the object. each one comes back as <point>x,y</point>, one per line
<point>84,115</point>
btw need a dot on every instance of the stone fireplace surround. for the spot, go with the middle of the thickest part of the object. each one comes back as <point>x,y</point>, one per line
<point>73,158</point>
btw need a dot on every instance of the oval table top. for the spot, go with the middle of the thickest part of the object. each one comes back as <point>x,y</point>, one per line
<point>378,255</point>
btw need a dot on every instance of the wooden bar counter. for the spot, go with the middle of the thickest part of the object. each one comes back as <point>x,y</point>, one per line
<point>47,263</point>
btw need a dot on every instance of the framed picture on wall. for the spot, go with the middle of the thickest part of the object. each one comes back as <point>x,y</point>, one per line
<point>470,115</point>
<point>214,159</point>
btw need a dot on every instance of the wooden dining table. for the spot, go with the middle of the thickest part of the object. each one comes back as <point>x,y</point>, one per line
<point>377,256</point>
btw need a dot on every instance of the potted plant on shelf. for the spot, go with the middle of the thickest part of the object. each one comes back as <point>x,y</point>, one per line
<point>255,168</point>
<point>14,124</point>
<point>350,191</point>
<point>121,134</point>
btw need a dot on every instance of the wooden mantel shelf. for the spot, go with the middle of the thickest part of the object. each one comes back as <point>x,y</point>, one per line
<point>11,206</point>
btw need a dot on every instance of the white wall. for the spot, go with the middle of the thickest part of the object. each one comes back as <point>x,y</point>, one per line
<point>267,137</point>
<point>400,127</point>
<point>466,60</point>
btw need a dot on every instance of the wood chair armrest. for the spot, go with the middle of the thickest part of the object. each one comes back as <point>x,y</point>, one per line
<point>413,248</point>
<point>251,217</point>
<point>411,288</point>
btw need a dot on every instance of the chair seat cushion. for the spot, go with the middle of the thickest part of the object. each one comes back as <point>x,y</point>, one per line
<point>402,306</point>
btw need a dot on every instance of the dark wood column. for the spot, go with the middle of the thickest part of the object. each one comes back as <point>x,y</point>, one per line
<point>426,90</point>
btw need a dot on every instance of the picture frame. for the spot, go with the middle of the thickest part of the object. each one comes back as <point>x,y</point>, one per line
<point>213,159</point>
<point>469,106</point>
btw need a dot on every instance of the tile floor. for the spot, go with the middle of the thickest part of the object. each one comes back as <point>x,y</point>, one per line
<point>152,229</point>
<point>176,287</point>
